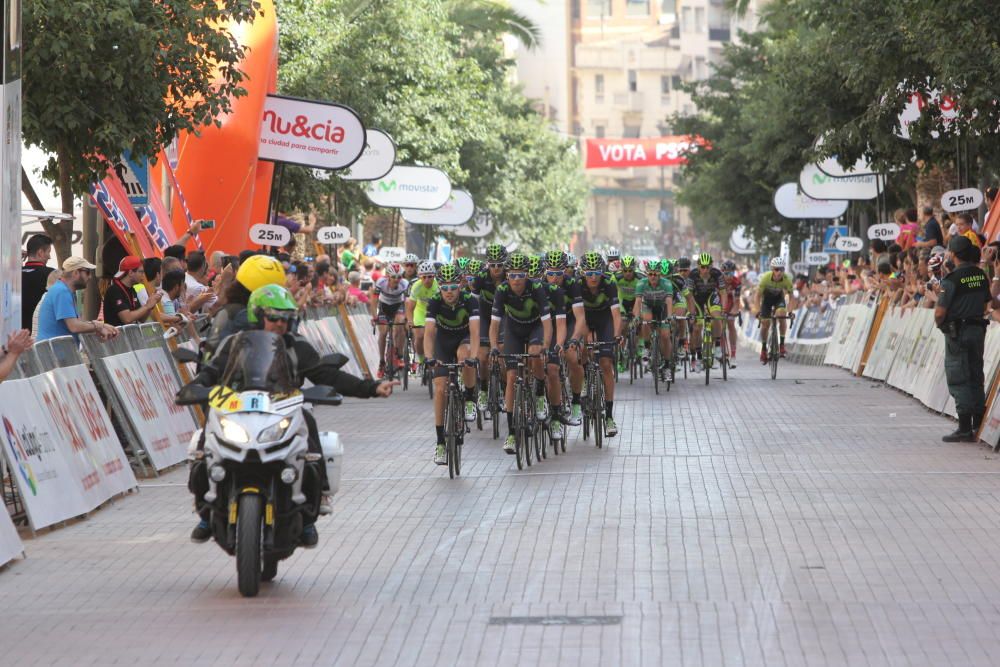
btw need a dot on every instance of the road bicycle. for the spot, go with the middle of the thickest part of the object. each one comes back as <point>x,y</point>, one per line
<point>773,345</point>
<point>524,421</point>
<point>557,423</point>
<point>391,354</point>
<point>455,427</point>
<point>679,355</point>
<point>494,395</point>
<point>656,366</point>
<point>633,360</point>
<point>593,399</point>
<point>707,343</point>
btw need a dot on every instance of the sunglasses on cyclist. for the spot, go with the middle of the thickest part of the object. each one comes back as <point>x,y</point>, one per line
<point>554,274</point>
<point>593,274</point>
<point>516,275</point>
<point>450,287</point>
<point>495,265</point>
<point>279,317</point>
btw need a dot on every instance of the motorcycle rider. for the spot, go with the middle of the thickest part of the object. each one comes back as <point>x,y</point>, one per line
<point>273,309</point>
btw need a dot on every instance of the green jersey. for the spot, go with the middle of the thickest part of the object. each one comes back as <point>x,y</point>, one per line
<point>770,287</point>
<point>650,294</point>
<point>422,295</point>
<point>626,288</point>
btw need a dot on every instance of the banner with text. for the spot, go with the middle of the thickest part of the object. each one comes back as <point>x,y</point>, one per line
<point>10,543</point>
<point>653,152</point>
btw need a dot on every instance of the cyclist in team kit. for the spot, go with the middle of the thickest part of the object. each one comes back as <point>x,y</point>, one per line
<point>485,287</point>
<point>567,307</point>
<point>523,306</point>
<point>654,298</point>
<point>771,301</point>
<point>731,304</point>
<point>683,302</point>
<point>626,279</point>
<point>410,262</point>
<point>556,274</point>
<point>420,294</point>
<point>603,318</point>
<point>386,305</point>
<point>451,336</point>
<point>706,286</point>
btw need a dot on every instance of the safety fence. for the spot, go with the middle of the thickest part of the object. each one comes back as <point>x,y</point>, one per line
<point>81,420</point>
<point>807,336</point>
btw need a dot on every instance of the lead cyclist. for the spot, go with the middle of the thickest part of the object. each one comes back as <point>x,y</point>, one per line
<point>771,299</point>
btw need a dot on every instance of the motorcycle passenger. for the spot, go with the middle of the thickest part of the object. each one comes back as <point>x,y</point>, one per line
<point>273,309</point>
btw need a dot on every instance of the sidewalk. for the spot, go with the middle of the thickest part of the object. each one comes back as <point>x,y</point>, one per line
<point>812,520</point>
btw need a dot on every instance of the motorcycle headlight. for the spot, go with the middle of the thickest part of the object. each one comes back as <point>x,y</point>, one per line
<point>233,432</point>
<point>275,431</point>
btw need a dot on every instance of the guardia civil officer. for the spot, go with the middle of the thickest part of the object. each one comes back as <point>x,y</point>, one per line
<point>961,305</point>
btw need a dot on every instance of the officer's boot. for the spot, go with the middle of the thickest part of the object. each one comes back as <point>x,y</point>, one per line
<point>964,432</point>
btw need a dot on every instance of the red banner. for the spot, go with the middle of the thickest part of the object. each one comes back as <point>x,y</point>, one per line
<point>653,152</point>
<point>110,198</point>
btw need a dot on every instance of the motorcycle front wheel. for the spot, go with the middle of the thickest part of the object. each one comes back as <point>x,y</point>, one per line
<point>248,537</point>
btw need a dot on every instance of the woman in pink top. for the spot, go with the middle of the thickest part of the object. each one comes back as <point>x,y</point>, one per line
<point>908,229</point>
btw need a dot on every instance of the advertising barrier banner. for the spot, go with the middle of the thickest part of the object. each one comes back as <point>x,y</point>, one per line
<point>10,543</point>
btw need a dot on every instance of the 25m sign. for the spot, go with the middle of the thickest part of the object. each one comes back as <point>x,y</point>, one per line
<point>654,152</point>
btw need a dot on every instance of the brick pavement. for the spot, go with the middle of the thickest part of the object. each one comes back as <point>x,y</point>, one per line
<point>816,520</point>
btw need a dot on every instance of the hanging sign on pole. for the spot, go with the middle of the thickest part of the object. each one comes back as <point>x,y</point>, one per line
<point>459,210</point>
<point>410,187</point>
<point>310,133</point>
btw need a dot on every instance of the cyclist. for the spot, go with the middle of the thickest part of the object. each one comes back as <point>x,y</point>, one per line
<point>567,307</point>
<point>731,304</point>
<point>627,279</point>
<point>683,302</point>
<point>705,285</point>
<point>475,269</point>
<point>485,286</point>
<point>603,318</point>
<point>555,274</point>
<point>416,307</point>
<point>654,299</point>
<point>385,303</point>
<point>410,262</point>
<point>524,308</point>
<point>452,336</point>
<point>771,299</point>
<point>535,267</point>
<point>613,258</point>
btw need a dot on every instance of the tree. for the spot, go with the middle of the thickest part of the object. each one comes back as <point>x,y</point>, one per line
<point>106,76</point>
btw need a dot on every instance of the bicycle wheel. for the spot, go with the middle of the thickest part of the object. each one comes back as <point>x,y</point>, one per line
<point>707,344</point>
<point>528,428</point>
<point>493,400</point>
<point>518,421</point>
<point>541,441</point>
<point>450,435</point>
<point>598,393</point>
<point>429,380</point>
<point>725,353</point>
<point>406,366</point>
<point>654,362</point>
<point>773,350</point>
<point>585,404</point>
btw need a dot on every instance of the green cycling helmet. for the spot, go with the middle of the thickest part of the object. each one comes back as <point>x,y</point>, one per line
<point>592,261</point>
<point>517,262</point>
<point>476,267</point>
<point>666,267</point>
<point>495,252</point>
<point>628,263</point>
<point>271,300</point>
<point>448,274</point>
<point>704,259</point>
<point>556,259</point>
<point>652,266</point>
<point>534,266</point>
<point>462,264</point>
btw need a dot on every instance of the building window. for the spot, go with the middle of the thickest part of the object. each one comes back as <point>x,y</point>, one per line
<point>631,132</point>
<point>686,19</point>
<point>599,88</point>
<point>633,81</point>
<point>599,131</point>
<point>598,8</point>
<point>675,81</point>
<point>637,7</point>
<point>699,20</point>
<point>700,68</point>
<point>575,8</point>
<point>664,85</point>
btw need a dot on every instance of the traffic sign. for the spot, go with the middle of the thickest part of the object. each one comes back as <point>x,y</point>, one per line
<point>133,172</point>
<point>831,235</point>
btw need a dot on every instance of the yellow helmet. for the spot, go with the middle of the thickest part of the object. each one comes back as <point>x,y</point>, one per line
<point>260,270</point>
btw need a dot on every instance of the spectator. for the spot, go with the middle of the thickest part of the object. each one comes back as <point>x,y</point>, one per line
<point>372,248</point>
<point>52,279</point>
<point>877,249</point>
<point>171,264</point>
<point>152,269</point>
<point>177,251</point>
<point>355,290</point>
<point>17,343</point>
<point>198,293</point>
<point>173,291</point>
<point>295,226</point>
<point>963,227</point>
<point>908,228</point>
<point>34,275</point>
<point>349,256</point>
<point>121,303</point>
<point>932,236</point>
<point>58,315</point>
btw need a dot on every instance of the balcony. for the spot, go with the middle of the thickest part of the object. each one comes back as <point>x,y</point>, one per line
<point>719,34</point>
<point>588,57</point>
<point>628,101</point>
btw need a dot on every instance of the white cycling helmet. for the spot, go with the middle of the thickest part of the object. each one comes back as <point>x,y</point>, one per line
<point>426,268</point>
<point>393,270</point>
<point>778,263</point>
<point>410,258</point>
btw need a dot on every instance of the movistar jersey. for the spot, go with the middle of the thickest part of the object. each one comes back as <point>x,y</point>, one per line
<point>455,317</point>
<point>602,300</point>
<point>528,307</point>
<point>558,303</point>
<point>773,288</point>
<point>485,288</point>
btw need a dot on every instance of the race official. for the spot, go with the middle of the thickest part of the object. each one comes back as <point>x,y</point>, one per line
<point>34,276</point>
<point>961,305</point>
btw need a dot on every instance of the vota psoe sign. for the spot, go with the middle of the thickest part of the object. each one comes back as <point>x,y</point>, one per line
<point>410,187</point>
<point>459,210</point>
<point>310,133</point>
<point>655,152</point>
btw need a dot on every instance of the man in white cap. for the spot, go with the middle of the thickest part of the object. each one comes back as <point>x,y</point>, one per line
<point>58,315</point>
<point>121,303</point>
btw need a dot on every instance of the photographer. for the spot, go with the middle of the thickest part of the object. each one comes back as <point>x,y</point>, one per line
<point>961,304</point>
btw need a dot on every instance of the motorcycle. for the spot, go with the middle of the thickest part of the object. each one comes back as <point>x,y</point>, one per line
<point>264,484</point>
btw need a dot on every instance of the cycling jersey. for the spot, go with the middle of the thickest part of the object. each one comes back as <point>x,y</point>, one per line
<point>422,294</point>
<point>732,283</point>
<point>652,295</point>
<point>526,308</point>
<point>626,288</point>
<point>391,296</point>
<point>485,288</point>
<point>556,297</point>
<point>768,286</point>
<point>453,318</point>
<point>701,287</point>
<point>602,300</point>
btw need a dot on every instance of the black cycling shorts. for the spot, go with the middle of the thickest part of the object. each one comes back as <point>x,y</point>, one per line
<point>388,311</point>
<point>446,344</point>
<point>771,303</point>
<point>518,337</point>
<point>602,325</point>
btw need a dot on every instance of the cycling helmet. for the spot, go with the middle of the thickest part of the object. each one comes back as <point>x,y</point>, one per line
<point>704,259</point>
<point>729,265</point>
<point>534,266</point>
<point>613,254</point>
<point>462,263</point>
<point>394,270</point>
<point>556,260</point>
<point>592,261</point>
<point>683,263</point>
<point>666,267</point>
<point>426,268</point>
<point>628,263</point>
<point>517,262</point>
<point>260,270</point>
<point>571,260</point>
<point>495,252</point>
<point>614,266</point>
<point>271,300</point>
<point>476,267</point>
<point>410,258</point>
<point>653,266</point>
<point>778,263</point>
<point>448,274</point>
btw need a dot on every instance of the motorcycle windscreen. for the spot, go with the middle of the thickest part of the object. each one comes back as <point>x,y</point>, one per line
<point>258,361</point>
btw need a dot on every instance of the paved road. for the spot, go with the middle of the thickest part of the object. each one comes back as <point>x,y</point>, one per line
<point>813,520</point>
